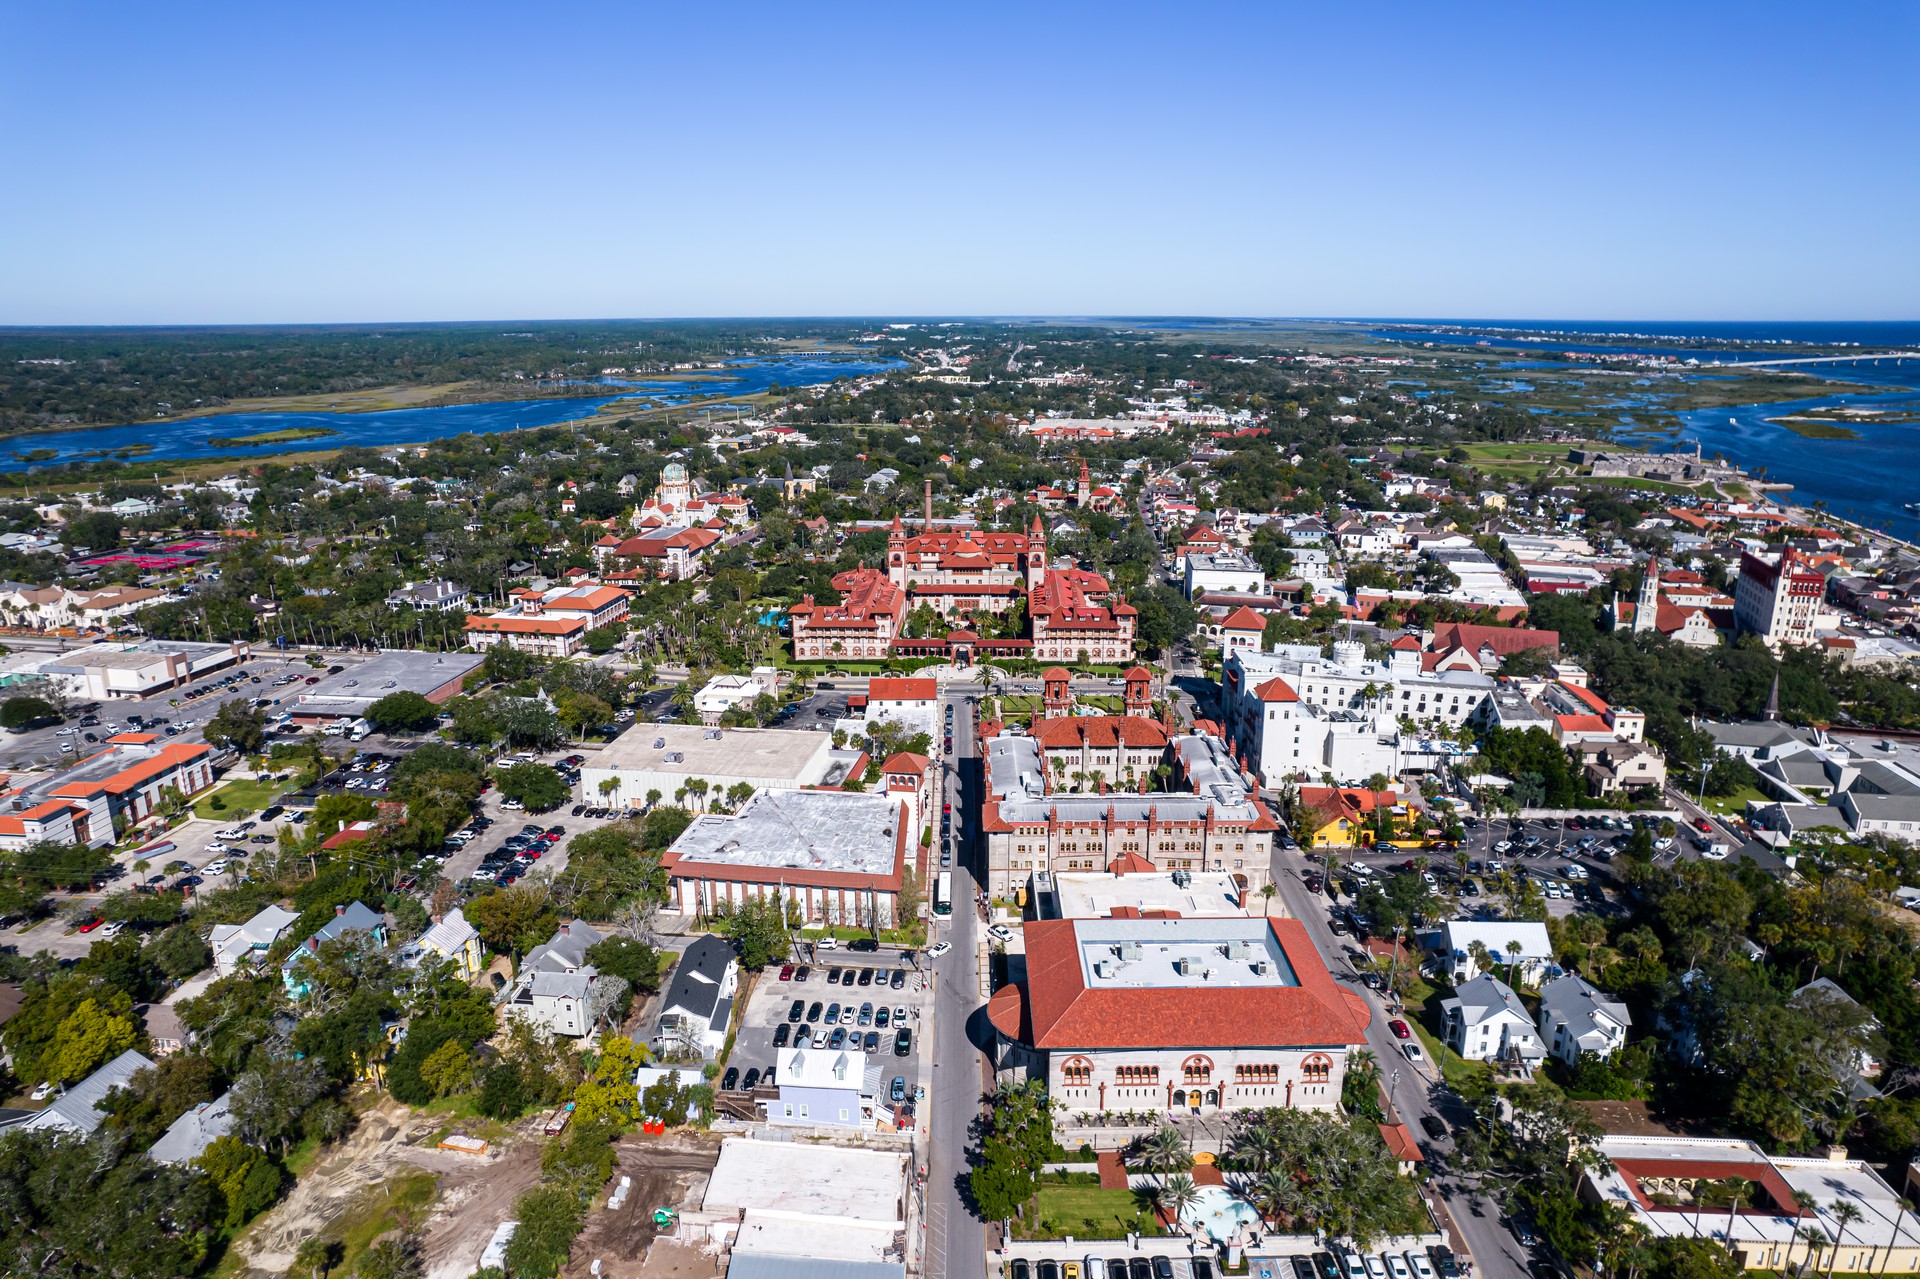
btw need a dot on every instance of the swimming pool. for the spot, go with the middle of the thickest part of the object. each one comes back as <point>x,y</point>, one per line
<point>1220,1212</point>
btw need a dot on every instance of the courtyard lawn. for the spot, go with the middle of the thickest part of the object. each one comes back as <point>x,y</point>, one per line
<point>238,799</point>
<point>1088,1212</point>
<point>1735,804</point>
<point>1423,1016</point>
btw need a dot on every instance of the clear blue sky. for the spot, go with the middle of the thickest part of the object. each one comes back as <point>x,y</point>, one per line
<point>255,162</point>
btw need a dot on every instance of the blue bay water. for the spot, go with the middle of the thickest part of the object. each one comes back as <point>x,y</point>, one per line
<point>186,439</point>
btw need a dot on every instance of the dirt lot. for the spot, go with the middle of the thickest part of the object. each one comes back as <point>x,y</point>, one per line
<point>668,1172</point>
<point>343,1192</point>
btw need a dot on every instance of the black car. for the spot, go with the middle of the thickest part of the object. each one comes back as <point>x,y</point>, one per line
<point>1137,1268</point>
<point>752,1080</point>
<point>1443,1261</point>
<point>870,1042</point>
<point>899,979</point>
<point>902,1042</point>
<point>802,973</point>
<point>1303,1269</point>
<point>866,976</point>
<point>813,1013</point>
<point>1433,1125</point>
<point>838,1039</point>
<point>1162,1268</point>
<point>1117,1267</point>
<point>833,976</point>
<point>1047,1269</point>
<point>1325,1267</point>
<point>728,1080</point>
<point>782,1033</point>
<point>864,945</point>
<point>1020,1269</point>
<point>1203,1269</point>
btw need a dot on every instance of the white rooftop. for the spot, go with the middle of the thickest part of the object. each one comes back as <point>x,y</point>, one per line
<point>1204,894</point>
<point>1145,954</point>
<point>811,830</point>
<point>835,1182</point>
<point>770,754</point>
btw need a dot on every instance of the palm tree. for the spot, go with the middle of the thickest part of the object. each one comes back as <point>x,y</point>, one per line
<point>1267,891</point>
<point>1843,1212</point>
<point>1165,1150</point>
<point>1738,1188</point>
<point>1813,1236</point>
<point>1176,1194</point>
<point>1513,959</point>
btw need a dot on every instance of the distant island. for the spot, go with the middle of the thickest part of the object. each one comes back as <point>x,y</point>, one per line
<point>289,435</point>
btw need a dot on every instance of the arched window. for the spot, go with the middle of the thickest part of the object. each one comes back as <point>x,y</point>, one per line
<point>1180,1097</point>
<point>1076,1072</point>
<point>1317,1069</point>
<point>1196,1070</point>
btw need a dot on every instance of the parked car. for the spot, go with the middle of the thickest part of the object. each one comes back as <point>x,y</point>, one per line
<point>1436,1128</point>
<point>782,1033</point>
<point>1399,1029</point>
<point>938,949</point>
<point>731,1078</point>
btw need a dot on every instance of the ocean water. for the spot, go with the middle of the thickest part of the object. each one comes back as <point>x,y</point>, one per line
<point>186,439</point>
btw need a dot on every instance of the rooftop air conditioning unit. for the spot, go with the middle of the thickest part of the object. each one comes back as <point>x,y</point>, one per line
<point>1103,968</point>
<point>1129,951</point>
<point>659,743</point>
<point>1238,950</point>
<point>1184,967</point>
<point>1261,967</point>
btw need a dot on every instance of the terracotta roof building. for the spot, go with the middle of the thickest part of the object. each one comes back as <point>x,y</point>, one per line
<point>1166,1015</point>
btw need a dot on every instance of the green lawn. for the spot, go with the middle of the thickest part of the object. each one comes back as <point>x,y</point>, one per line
<point>1088,1212</point>
<point>237,799</point>
<point>1735,804</point>
<point>1424,1003</point>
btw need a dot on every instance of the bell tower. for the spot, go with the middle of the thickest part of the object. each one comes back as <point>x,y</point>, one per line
<point>1139,692</point>
<point>1036,556</point>
<point>1646,608</point>
<point>897,553</point>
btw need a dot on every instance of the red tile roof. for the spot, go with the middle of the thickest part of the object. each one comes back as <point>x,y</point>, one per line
<point>1276,690</point>
<point>1244,619</point>
<point>1098,731</point>
<point>1055,1010</point>
<point>880,689</point>
<point>1400,1142</point>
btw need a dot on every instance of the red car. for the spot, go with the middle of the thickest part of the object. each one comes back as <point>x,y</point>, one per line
<point>786,972</point>
<point>1702,825</point>
<point>92,924</point>
<point>1399,1029</point>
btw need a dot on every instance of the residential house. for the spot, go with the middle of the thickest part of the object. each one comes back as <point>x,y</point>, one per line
<point>557,991</point>
<point>354,917</point>
<point>827,1087</point>
<point>697,1008</point>
<point>1485,1021</point>
<point>190,1135</point>
<point>453,939</point>
<point>1578,1020</point>
<point>246,945</point>
<point>76,1110</point>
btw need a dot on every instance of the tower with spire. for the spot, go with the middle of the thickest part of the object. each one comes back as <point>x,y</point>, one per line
<point>897,553</point>
<point>1036,556</point>
<point>1083,496</point>
<point>1646,608</point>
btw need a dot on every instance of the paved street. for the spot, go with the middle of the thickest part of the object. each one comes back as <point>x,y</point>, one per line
<point>956,1240</point>
<point>1495,1251</point>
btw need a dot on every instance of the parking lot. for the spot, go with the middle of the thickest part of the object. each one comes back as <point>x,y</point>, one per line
<point>769,1013</point>
<point>1161,1257</point>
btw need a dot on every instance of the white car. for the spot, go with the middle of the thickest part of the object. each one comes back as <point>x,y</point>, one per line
<point>1397,1266</point>
<point>938,949</point>
<point>231,832</point>
<point>113,929</point>
<point>1714,852</point>
<point>215,868</point>
<point>43,1092</point>
<point>1576,871</point>
<point>1663,843</point>
<point>1422,1268</point>
<point>1000,933</point>
<point>1412,1050</point>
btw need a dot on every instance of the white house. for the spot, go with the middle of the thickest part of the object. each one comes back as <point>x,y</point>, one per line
<point>190,1135</point>
<point>828,1087</point>
<point>1485,1021</point>
<point>247,944</point>
<point>698,1005</point>
<point>1578,1020</point>
<point>1519,948</point>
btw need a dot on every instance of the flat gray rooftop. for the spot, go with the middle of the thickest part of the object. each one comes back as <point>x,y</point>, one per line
<point>394,671</point>
<point>1087,895</point>
<point>1142,954</point>
<point>773,753</point>
<point>808,830</point>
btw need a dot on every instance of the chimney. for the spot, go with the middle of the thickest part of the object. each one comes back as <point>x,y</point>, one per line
<point>565,926</point>
<point>339,910</point>
<point>927,520</point>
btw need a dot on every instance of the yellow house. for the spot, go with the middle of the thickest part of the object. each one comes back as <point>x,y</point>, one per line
<point>452,937</point>
<point>1342,816</point>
